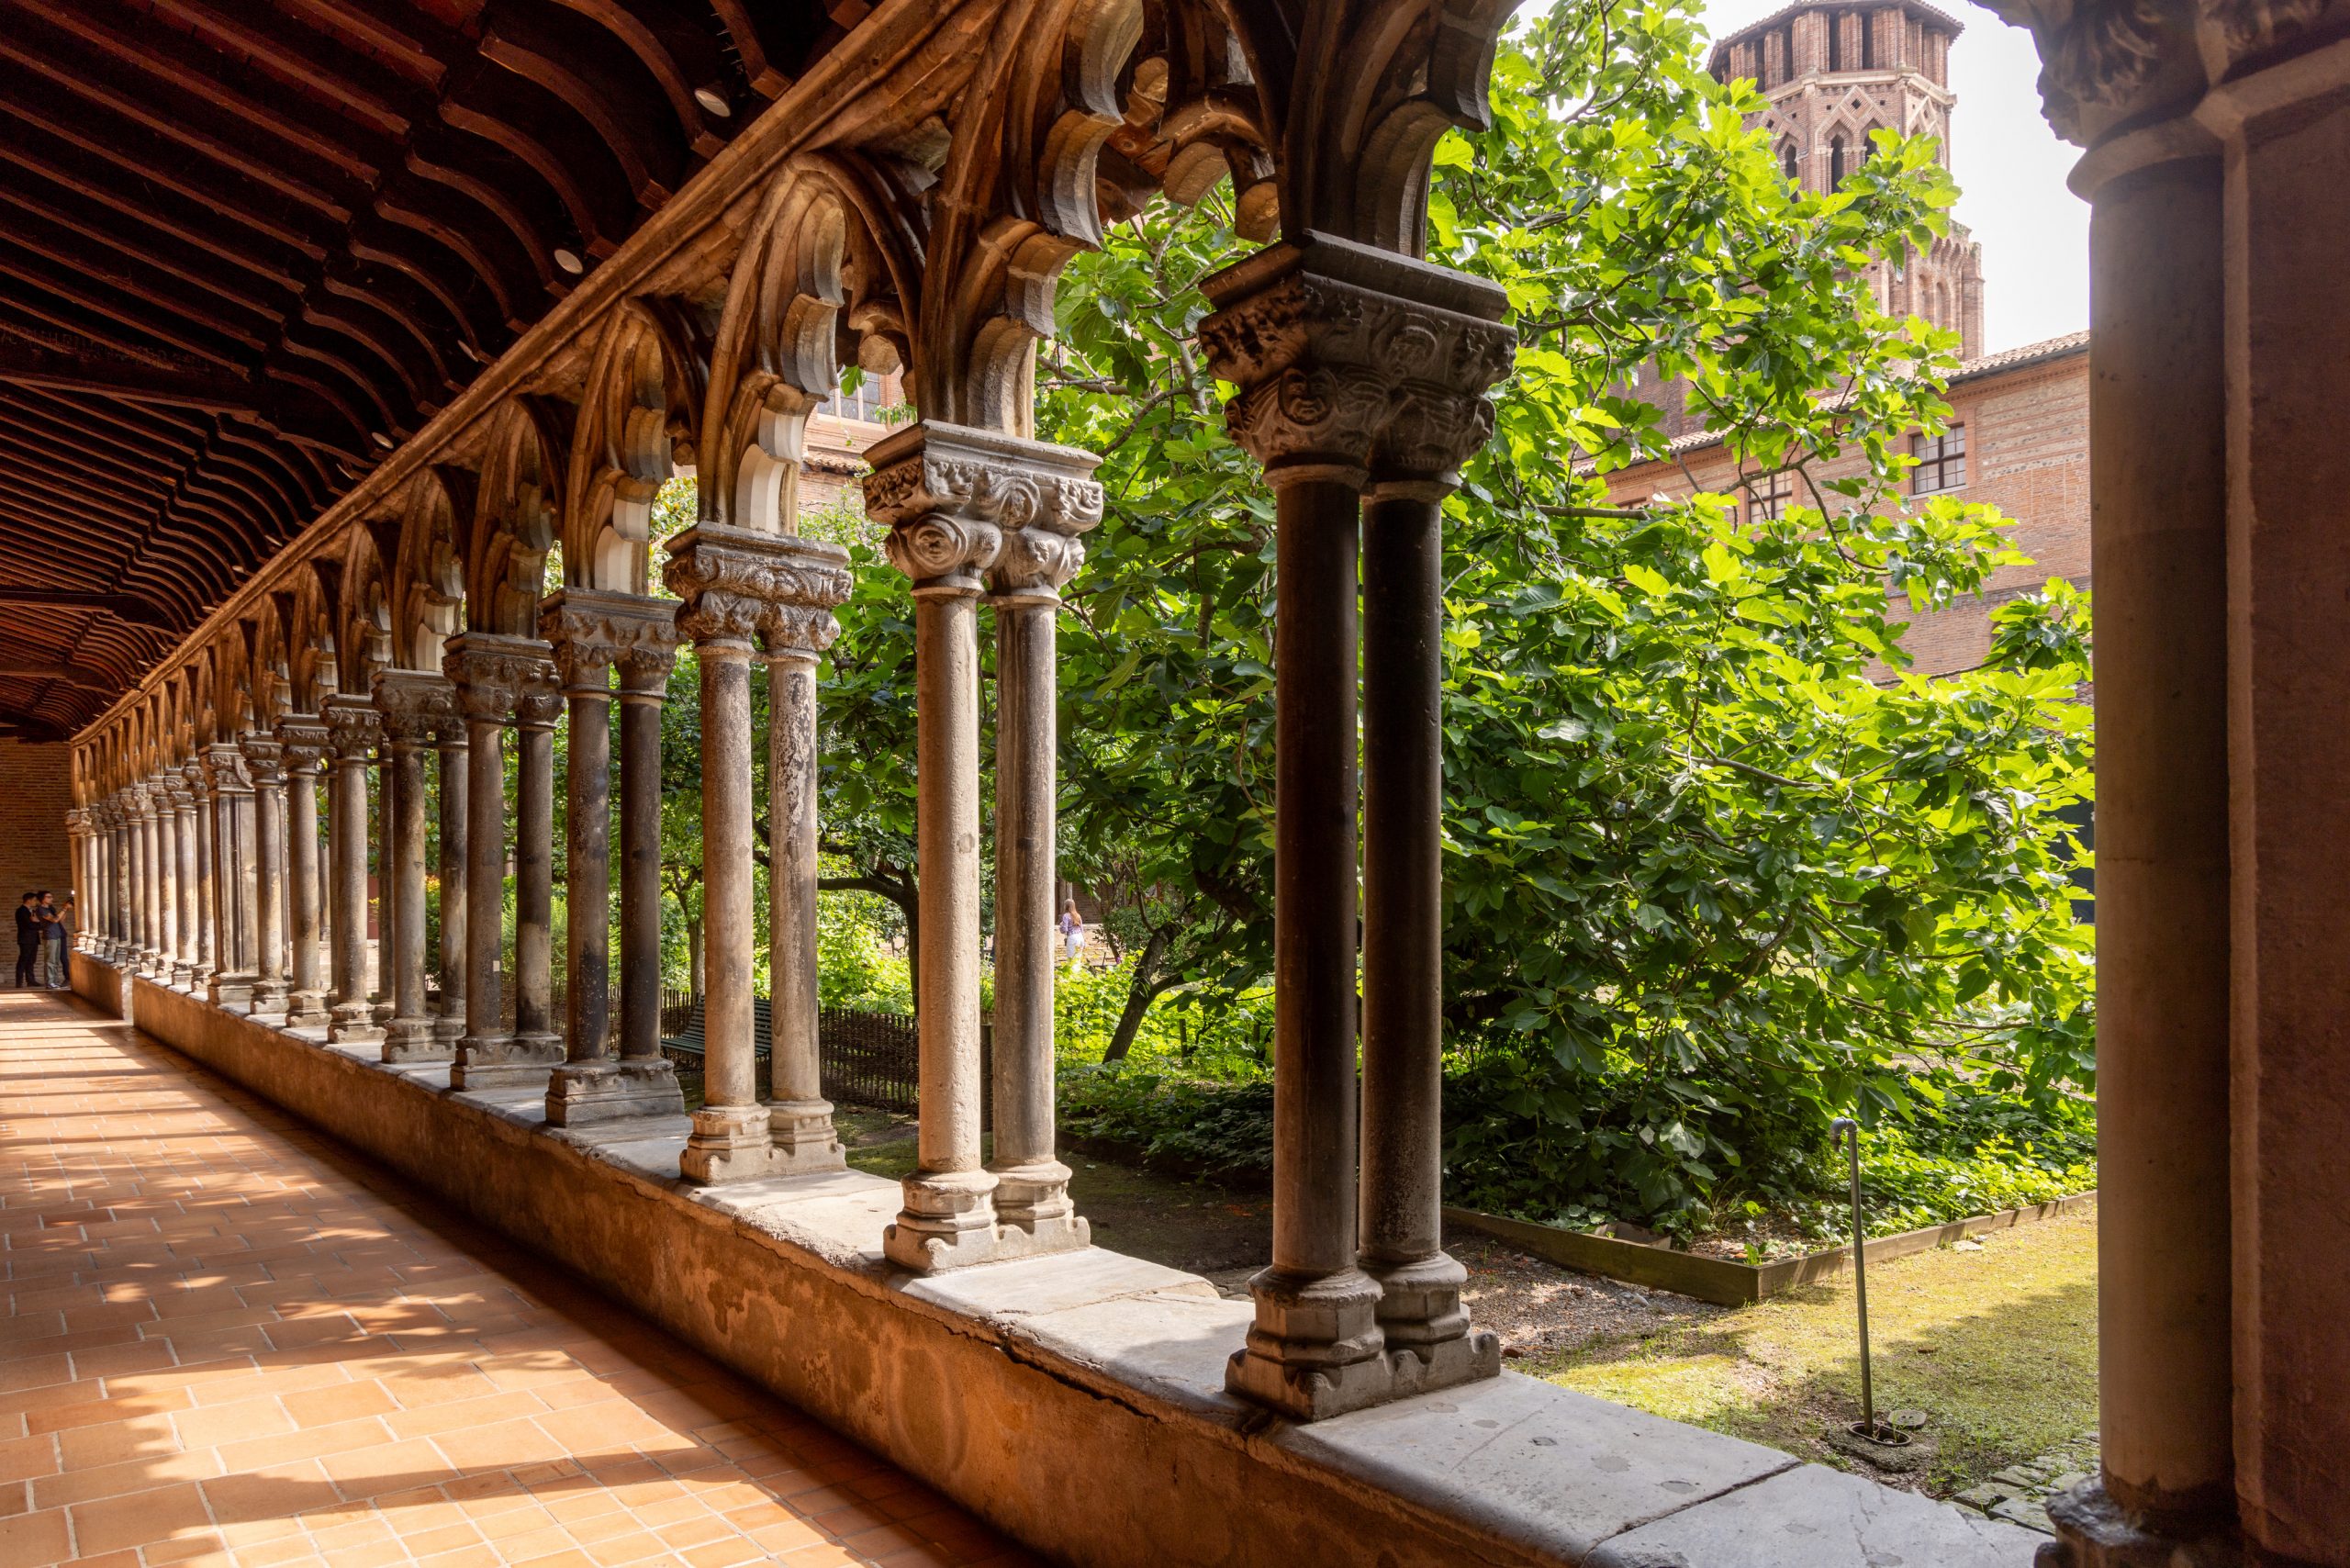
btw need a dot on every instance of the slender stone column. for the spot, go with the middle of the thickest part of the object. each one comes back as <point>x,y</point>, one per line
<point>1340,350</point>
<point>78,858</point>
<point>950,497</point>
<point>125,832</point>
<point>231,985</point>
<point>800,1119</point>
<point>356,727</point>
<point>494,675</point>
<point>644,673</point>
<point>740,588</point>
<point>163,868</point>
<point>414,703</point>
<point>536,709</point>
<point>1040,553</point>
<point>450,741</point>
<point>190,891</point>
<point>591,631</point>
<point>306,741</point>
<point>265,764</point>
<point>208,893</point>
<point>949,1214</point>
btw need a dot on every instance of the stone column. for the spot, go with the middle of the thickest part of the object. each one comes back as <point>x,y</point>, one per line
<point>1040,553</point>
<point>450,771</point>
<point>162,793</point>
<point>492,673</point>
<point>644,673</point>
<point>265,764</point>
<point>950,495</point>
<point>233,880</point>
<point>185,974</point>
<point>356,726</point>
<point>536,709</point>
<point>591,631</point>
<point>740,588</point>
<point>415,704</point>
<point>1335,346</point>
<point>120,884</point>
<point>306,741</point>
<point>207,893</point>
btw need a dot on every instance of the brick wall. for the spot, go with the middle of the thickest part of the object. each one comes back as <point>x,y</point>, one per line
<point>2026,454</point>
<point>36,792</point>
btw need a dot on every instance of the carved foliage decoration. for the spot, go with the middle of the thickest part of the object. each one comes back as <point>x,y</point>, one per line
<point>364,627</point>
<point>310,638</point>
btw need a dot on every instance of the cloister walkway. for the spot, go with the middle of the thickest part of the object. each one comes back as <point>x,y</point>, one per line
<point>228,1341</point>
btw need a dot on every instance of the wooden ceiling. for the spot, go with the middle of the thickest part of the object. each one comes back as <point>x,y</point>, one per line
<point>247,247</point>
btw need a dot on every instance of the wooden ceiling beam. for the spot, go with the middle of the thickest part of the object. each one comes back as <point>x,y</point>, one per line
<point>92,369</point>
<point>420,47</point>
<point>344,78</point>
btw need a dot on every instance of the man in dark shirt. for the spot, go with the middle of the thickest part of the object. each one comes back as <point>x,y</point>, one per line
<point>52,967</point>
<point>28,938</point>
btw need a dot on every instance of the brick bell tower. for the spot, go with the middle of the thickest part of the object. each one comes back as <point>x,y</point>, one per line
<point>1836,70</point>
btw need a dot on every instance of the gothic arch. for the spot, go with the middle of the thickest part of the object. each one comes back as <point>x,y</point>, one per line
<point>428,590</point>
<point>364,627</point>
<point>636,429</point>
<point>518,516</point>
<point>311,664</point>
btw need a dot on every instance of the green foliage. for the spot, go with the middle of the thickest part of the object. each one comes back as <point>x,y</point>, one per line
<point>1181,1124</point>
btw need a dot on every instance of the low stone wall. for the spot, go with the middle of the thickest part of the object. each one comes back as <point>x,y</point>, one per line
<point>1075,1400</point>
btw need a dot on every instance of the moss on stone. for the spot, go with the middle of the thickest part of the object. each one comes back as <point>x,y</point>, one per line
<point>1997,1346</point>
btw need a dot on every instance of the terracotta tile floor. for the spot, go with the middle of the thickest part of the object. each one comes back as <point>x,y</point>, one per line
<point>228,1341</point>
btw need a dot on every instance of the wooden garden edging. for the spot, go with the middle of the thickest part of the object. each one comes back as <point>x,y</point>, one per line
<point>1719,1280</point>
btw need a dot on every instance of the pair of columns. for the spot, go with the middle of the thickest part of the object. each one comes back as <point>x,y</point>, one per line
<point>771,595</point>
<point>594,635</point>
<point>1363,378</point>
<point>973,515</point>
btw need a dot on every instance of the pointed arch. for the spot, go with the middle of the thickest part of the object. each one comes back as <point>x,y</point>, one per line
<point>428,585</point>
<point>517,517</point>
<point>364,626</point>
<point>311,653</point>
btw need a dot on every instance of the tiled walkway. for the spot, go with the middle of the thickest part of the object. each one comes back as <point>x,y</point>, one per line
<point>228,1341</point>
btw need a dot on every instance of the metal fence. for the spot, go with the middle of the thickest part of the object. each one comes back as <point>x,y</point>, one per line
<point>866,1058</point>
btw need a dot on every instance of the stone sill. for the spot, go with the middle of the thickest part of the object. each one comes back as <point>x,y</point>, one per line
<point>1077,1401</point>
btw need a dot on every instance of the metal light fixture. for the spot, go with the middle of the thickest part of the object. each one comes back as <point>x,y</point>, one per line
<point>712,96</point>
<point>568,259</point>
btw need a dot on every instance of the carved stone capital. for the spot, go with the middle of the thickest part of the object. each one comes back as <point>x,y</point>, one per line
<point>264,760</point>
<point>774,590</point>
<point>224,767</point>
<point>593,631</point>
<point>416,704</point>
<point>306,739</point>
<point>960,501</point>
<point>1351,357</point>
<point>355,725</point>
<point>194,773</point>
<point>492,674</point>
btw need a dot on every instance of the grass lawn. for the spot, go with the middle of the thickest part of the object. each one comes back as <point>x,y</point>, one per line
<point>1998,1345</point>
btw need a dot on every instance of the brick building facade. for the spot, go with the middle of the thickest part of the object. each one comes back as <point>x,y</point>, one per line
<point>36,792</point>
<point>2019,441</point>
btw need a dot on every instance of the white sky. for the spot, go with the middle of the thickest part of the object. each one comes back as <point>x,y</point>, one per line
<point>2010,170</point>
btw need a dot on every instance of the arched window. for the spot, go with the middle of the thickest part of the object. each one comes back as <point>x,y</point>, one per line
<point>1868,41</point>
<point>1792,164</point>
<point>1835,42</point>
<point>1835,160</point>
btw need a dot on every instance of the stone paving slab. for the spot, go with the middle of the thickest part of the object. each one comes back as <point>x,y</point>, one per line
<point>1812,1515</point>
<point>229,1343</point>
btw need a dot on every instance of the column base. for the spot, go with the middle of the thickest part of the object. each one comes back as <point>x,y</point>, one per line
<point>2095,1531</point>
<point>1419,1301</point>
<point>803,1136</point>
<point>1033,1201</point>
<point>450,1025</point>
<point>580,1093</point>
<point>353,1024</point>
<point>270,1001</point>
<point>416,1039</point>
<point>504,1062</point>
<point>307,1010</point>
<point>729,1143</point>
<point>1316,1350</point>
<point>950,1222</point>
<point>232,992</point>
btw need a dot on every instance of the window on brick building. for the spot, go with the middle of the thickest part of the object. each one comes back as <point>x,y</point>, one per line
<point>1792,165</point>
<point>1835,43</point>
<point>1942,462</point>
<point>1768,494</point>
<point>1835,160</point>
<point>1868,42</point>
